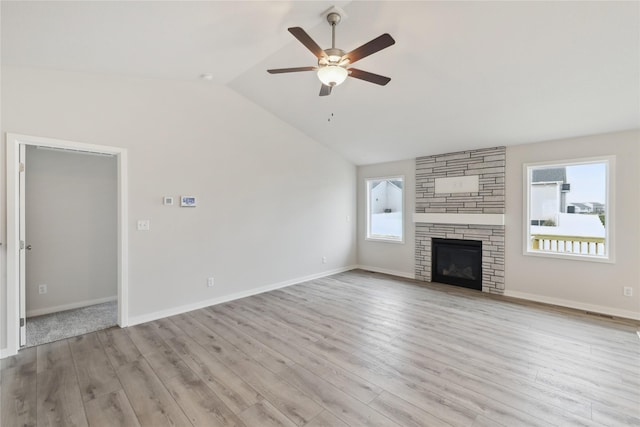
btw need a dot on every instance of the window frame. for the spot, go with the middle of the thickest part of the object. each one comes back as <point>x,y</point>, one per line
<point>609,162</point>
<point>382,238</point>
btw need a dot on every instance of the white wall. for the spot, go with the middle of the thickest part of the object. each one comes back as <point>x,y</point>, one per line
<point>71,215</point>
<point>393,258</point>
<point>581,284</point>
<point>272,202</point>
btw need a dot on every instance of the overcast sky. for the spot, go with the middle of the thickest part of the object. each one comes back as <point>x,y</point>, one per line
<point>588,183</point>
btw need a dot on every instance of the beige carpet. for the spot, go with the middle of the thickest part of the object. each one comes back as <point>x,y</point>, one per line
<point>71,323</point>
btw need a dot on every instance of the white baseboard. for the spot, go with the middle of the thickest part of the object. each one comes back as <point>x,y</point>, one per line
<point>627,314</point>
<point>389,272</point>
<point>143,318</point>
<point>87,303</point>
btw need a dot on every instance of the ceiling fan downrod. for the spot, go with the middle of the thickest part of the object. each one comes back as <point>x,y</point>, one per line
<point>333,56</point>
<point>333,18</point>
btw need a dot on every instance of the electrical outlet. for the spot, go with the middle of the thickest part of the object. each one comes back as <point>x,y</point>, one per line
<point>324,259</point>
<point>210,282</point>
<point>627,291</point>
<point>144,225</point>
<point>42,289</point>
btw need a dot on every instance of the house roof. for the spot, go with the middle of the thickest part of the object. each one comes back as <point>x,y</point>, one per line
<point>465,75</point>
<point>549,175</point>
<point>395,183</point>
<point>580,205</point>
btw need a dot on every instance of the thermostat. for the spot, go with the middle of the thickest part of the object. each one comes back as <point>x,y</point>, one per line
<point>188,201</point>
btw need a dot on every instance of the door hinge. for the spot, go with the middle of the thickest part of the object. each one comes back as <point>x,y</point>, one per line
<point>21,167</point>
<point>22,322</point>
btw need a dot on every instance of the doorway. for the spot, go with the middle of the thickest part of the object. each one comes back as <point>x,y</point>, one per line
<point>19,248</point>
<point>70,237</point>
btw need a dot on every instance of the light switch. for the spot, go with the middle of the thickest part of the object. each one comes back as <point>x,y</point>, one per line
<point>144,225</point>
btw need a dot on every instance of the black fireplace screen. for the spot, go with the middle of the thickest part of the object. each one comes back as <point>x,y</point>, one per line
<point>457,262</point>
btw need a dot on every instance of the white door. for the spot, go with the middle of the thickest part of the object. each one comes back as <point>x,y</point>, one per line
<point>23,248</point>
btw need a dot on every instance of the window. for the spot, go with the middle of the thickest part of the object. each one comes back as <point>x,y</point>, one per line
<point>385,200</point>
<point>568,209</point>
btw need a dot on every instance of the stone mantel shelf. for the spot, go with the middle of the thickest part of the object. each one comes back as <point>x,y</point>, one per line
<point>459,218</point>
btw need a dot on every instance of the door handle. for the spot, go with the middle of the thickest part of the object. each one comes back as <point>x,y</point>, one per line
<point>28,247</point>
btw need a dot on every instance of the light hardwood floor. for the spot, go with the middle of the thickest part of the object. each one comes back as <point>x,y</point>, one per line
<point>354,349</point>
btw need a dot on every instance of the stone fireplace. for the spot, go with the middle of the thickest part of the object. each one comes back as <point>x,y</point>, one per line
<point>460,197</point>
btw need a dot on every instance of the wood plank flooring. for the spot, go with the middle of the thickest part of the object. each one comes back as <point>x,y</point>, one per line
<point>354,349</point>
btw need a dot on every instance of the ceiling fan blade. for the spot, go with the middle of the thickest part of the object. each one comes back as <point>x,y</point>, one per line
<point>291,70</point>
<point>325,90</point>
<point>370,48</point>
<point>306,40</point>
<point>369,77</point>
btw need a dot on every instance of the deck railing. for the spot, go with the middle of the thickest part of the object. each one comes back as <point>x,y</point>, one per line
<point>568,244</point>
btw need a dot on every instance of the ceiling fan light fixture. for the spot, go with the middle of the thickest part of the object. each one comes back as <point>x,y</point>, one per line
<point>332,75</point>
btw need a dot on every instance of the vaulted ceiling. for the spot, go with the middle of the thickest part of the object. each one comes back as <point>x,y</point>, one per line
<point>464,74</point>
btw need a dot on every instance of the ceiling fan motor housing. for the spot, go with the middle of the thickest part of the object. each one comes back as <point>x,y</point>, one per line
<point>333,57</point>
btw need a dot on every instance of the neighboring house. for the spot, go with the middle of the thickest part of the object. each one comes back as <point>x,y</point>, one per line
<point>549,188</point>
<point>578,208</point>
<point>596,207</point>
<point>586,207</point>
<point>386,196</point>
<point>549,208</point>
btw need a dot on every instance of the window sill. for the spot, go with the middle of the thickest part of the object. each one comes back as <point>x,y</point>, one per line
<point>384,240</point>
<point>571,257</point>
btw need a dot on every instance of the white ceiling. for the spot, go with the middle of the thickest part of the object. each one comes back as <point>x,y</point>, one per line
<point>464,74</point>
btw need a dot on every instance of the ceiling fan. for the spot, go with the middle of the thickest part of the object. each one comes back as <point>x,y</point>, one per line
<point>332,63</point>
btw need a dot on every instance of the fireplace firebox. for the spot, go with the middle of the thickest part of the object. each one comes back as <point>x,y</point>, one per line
<point>457,262</point>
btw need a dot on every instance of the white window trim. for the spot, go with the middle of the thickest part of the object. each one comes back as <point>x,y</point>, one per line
<point>609,209</point>
<point>376,238</point>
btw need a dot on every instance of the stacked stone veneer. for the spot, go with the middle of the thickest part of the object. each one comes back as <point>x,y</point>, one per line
<point>489,165</point>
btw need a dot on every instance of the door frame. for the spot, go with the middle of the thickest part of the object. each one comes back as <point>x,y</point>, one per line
<point>14,141</point>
